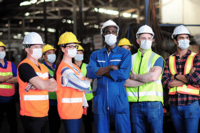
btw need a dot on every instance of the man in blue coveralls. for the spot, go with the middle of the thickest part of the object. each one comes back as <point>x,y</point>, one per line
<point>111,66</point>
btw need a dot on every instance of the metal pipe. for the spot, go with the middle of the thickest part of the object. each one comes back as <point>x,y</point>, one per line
<point>45,22</point>
<point>9,52</point>
<point>146,11</point>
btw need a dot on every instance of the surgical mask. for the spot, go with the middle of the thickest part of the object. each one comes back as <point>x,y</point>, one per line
<point>51,58</point>
<point>72,52</point>
<point>79,57</point>
<point>37,53</point>
<point>110,39</point>
<point>2,54</point>
<point>146,44</point>
<point>183,44</point>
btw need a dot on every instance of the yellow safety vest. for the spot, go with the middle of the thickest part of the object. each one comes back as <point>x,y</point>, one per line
<point>183,89</point>
<point>152,91</point>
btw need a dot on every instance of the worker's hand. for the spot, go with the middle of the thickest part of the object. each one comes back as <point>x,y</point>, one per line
<point>133,75</point>
<point>52,85</point>
<point>193,70</point>
<point>113,67</point>
<point>85,111</point>
<point>8,77</point>
<point>172,77</point>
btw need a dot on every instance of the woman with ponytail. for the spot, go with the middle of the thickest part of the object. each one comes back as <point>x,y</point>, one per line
<point>71,85</point>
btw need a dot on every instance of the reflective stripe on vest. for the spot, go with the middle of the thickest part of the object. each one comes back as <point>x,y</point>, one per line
<point>151,91</point>
<point>72,100</point>
<point>88,94</point>
<point>6,89</point>
<point>184,89</point>
<point>35,97</point>
<point>5,86</point>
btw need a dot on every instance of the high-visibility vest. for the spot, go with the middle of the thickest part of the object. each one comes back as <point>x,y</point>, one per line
<point>183,89</point>
<point>6,89</point>
<point>34,103</point>
<point>89,95</point>
<point>70,100</point>
<point>152,91</point>
<point>52,95</point>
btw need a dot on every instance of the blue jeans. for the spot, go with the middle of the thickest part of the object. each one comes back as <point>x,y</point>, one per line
<point>72,125</point>
<point>186,118</point>
<point>146,114</point>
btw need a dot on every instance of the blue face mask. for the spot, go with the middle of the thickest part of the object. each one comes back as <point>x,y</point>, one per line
<point>78,57</point>
<point>2,54</point>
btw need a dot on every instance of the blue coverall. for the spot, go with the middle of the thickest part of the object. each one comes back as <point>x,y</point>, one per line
<point>110,101</point>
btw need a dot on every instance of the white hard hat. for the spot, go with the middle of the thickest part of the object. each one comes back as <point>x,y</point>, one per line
<point>180,30</point>
<point>109,23</point>
<point>144,29</point>
<point>32,38</point>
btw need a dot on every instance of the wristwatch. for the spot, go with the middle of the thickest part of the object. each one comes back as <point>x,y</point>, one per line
<point>175,76</point>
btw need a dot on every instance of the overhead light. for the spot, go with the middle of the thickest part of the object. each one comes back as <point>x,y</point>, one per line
<point>69,21</point>
<point>51,30</point>
<point>43,29</point>
<point>134,16</point>
<point>38,27</point>
<point>64,20</point>
<point>20,22</point>
<point>31,20</point>
<point>1,33</point>
<point>27,14</point>
<point>27,3</point>
<point>26,33</point>
<point>86,23</point>
<point>6,25</point>
<point>126,15</point>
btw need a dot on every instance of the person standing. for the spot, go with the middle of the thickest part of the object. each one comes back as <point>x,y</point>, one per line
<point>144,88</point>
<point>78,60</point>
<point>49,57</point>
<point>72,103</point>
<point>181,76</point>
<point>34,84</point>
<point>8,76</point>
<point>111,66</point>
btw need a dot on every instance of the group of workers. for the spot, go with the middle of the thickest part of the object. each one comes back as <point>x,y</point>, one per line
<point>129,90</point>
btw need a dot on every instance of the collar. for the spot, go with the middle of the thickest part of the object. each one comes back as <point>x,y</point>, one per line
<point>188,53</point>
<point>145,53</point>
<point>49,66</point>
<point>6,63</point>
<point>113,50</point>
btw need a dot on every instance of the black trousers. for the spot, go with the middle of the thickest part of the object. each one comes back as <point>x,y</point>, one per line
<point>10,109</point>
<point>35,124</point>
<point>54,119</point>
<point>87,119</point>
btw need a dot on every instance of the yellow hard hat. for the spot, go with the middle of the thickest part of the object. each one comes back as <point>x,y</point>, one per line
<point>47,47</point>
<point>2,45</point>
<point>67,37</point>
<point>80,48</point>
<point>124,41</point>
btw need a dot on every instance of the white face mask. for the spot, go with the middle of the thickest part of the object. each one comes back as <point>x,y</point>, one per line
<point>51,58</point>
<point>183,44</point>
<point>72,52</point>
<point>37,53</point>
<point>110,39</point>
<point>79,57</point>
<point>2,54</point>
<point>146,44</point>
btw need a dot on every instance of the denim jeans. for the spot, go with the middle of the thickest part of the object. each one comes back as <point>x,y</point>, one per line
<point>72,125</point>
<point>146,114</point>
<point>186,118</point>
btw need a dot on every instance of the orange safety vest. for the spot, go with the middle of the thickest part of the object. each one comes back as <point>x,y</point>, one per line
<point>34,103</point>
<point>183,89</point>
<point>6,89</point>
<point>70,100</point>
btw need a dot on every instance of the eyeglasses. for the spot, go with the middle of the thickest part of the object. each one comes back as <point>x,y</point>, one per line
<point>110,32</point>
<point>72,46</point>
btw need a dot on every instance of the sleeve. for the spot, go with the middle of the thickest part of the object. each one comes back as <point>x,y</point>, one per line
<point>194,78</point>
<point>92,67</point>
<point>69,79</point>
<point>26,72</point>
<point>166,77</point>
<point>124,68</point>
<point>14,70</point>
<point>159,62</point>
